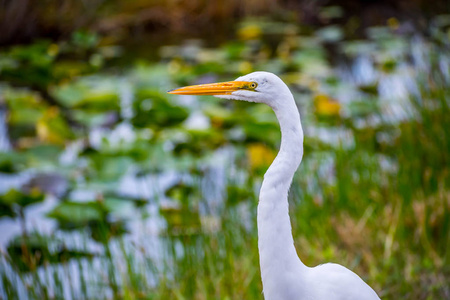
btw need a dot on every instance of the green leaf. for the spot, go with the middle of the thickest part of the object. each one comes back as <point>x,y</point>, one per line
<point>77,214</point>
<point>152,109</point>
<point>33,250</point>
<point>16,197</point>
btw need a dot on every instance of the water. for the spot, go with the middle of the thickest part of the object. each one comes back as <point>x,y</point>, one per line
<point>147,226</point>
<point>394,91</point>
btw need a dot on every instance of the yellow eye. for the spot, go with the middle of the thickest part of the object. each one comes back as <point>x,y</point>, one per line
<point>253,85</point>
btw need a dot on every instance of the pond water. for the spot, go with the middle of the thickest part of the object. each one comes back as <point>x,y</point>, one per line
<point>152,176</point>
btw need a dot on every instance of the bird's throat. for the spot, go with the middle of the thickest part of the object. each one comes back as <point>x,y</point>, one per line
<point>278,257</point>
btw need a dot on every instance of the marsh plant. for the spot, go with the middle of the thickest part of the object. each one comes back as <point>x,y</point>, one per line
<point>111,188</point>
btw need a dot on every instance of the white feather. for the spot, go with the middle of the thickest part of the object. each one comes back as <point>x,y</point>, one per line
<point>284,276</point>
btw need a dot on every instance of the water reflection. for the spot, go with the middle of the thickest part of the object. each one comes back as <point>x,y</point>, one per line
<point>154,179</point>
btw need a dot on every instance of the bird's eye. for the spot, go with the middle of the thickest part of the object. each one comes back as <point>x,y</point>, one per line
<point>253,85</point>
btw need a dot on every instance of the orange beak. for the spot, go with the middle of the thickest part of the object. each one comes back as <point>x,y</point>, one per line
<point>221,88</point>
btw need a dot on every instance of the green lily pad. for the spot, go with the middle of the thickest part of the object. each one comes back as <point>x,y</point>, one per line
<point>154,110</point>
<point>15,197</point>
<point>371,89</point>
<point>24,111</point>
<point>42,154</point>
<point>266,132</point>
<point>97,97</point>
<point>363,108</point>
<point>72,215</point>
<point>108,168</point>
<point>11,162</point>
<point>183,193</point>
<point>92,215</point>
<point>33,58</point>
<point>181,221</point>
<point>33,250</point>
<point>237,194</point>
<point>198,142</point>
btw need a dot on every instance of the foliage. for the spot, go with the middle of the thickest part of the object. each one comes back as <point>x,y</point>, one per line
<point>159,193</point>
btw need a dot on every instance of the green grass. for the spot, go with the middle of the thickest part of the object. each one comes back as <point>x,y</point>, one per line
<point>391,227</point>
<point>379,206</point>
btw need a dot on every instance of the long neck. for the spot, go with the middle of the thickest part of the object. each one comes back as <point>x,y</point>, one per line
<point>276,245</point>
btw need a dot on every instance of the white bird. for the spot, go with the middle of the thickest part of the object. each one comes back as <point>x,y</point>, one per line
<point>284,276</point>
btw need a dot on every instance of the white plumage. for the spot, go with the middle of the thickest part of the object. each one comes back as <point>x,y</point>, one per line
<point>283,274</point>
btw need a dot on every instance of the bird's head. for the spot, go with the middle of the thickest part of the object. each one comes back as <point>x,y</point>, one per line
<point>260,87</point>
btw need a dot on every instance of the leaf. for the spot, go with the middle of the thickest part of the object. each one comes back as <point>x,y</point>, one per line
<point>94,215</point>
<point>24,111</point>
<point>331,33</point>
<point>11,162</point>
<point>15,197</point>
<point>363,108</point>
<point>120,208</point>
<point>52,128</point>
<point>42,154</point>
<point>264,132</point>
<point>198,142</point>
<point>237,194</point>
<point>109,167</point>
<point>33,250</point>
<point>72,215</point>
<point>183,193</point>
<point>181,221</point>
<point>371,89</point>
<point>93,96</point>
<point>154,110</point>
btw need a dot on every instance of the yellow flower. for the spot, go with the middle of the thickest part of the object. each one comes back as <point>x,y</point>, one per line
<point>259,155</point>
<point>53,50</point>
<point>249,32</point>
<point>52,128</point>
<point>245,67</point>
<point>393,23</point>
<point>326,105</point>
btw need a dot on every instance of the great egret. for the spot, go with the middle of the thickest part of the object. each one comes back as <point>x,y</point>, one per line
<point>284,276</point>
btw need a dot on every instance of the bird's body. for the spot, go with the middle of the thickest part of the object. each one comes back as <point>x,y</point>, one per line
<point>284,276</point>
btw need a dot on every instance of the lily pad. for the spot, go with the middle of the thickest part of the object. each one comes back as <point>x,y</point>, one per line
<point>33,250</point>
<point>154,110</point>
<point>265,132</point>
<point>15,197</point>
<point>92,215</point>
<point>94,97</point>
<point>198,142</point>
<point>108,168</point>
<point>72,215</point>
<point>11,162</point>
<point>183,193</point>
<point>181,221</point>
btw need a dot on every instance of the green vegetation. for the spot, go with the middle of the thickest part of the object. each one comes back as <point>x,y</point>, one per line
<point>154,196</point>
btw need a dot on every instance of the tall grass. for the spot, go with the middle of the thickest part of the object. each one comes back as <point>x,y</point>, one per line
<point>381,208</point>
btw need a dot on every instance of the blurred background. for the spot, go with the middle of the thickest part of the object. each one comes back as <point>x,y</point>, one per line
<point>112,189</point>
